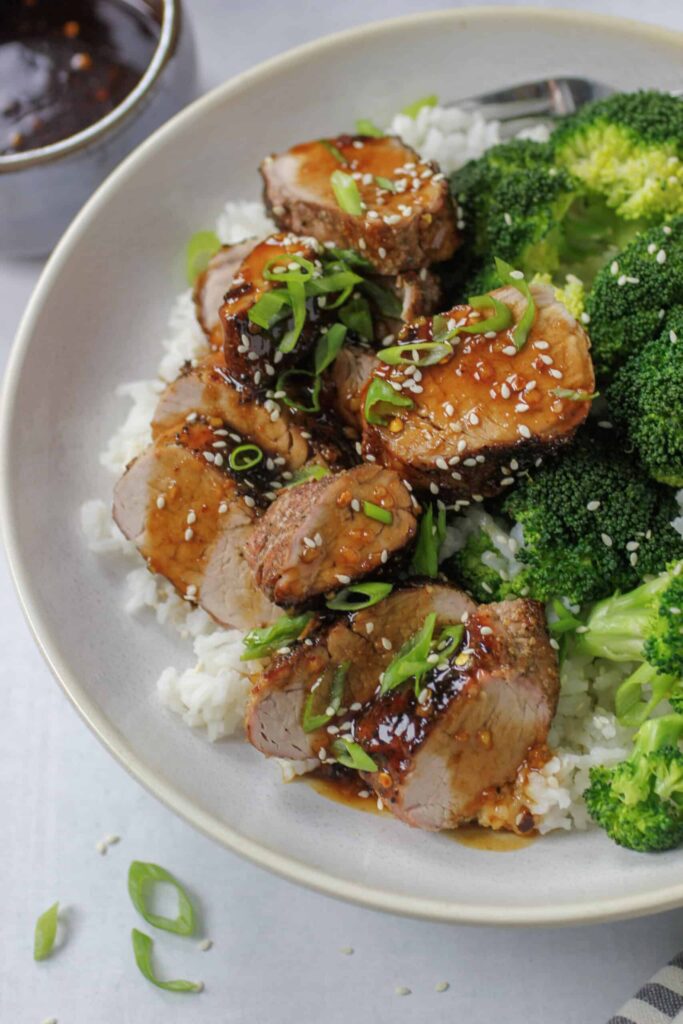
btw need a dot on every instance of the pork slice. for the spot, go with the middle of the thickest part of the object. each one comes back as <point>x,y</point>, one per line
<point>367,641</point>
<point>319,536</point>
<point>211,285</point>
<point>473,727</point>
<point>191,523</point>
<point>405,226</point>
<point>348,375</point>
<point>486,411</point>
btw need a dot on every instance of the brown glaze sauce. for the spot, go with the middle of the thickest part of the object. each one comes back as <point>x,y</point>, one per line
<point>65,64</point>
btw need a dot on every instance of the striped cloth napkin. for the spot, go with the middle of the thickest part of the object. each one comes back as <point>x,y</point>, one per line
<point>660,1001</point>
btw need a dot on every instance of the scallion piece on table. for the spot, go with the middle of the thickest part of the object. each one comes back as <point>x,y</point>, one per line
<point>260,642</point>
<point>413,109</point>
<point>380,392</point>
<point>364,126</point>
<point>351,755</point>
<point>142,877</point>
<point>402,355</point>
<point>45,933</point>
<point>244,457</point>
<point>142,949</point>
<point>346,193</point>
<point>358,596</point>
<point>411,661</point>
<point>201,247</point>
<point>329,346</point>
<point>312,722</point>
<point>382,515</point>
<point>508,275</point>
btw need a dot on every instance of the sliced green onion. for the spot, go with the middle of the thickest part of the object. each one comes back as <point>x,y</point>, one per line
<point>141,877</point>
<point>386,183</point>
<point>441,332</point>
<point>350,257</point>
<point>382,515</point>
<point>335,280</point>
<point>364,126</point>
<point>297,298</point>
<point>244,457</point>
<point>575,396</point>
<point>329,346</point>
<point>311,722</point>
<point>450,639</point>
<point>271,307</point>
<point>430,537</point>
<point>201,247</point>
<point>142,949</point>
<point>260,642</point>
<point>346,193</point>
<point>502,315</point>
<point>334,151</point>
<point>305,269</point>
<point>302,476</point>
<point>565,621</point>
<point>411,661</point>
<point>400,355</point>
<point>508,275</point>
<point>286,376</point>
<point>380,392</point>
<point>45,933</point>
<point>413,109</point>
<point>357,317</point>
<point>369,594</point>
<point>387,302</point>
<point>352,755</point>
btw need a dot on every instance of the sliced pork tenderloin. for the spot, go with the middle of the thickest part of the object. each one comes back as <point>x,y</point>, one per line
<point>212,284</point>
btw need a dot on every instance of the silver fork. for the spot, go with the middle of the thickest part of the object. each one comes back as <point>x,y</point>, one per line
<point>533,103</point>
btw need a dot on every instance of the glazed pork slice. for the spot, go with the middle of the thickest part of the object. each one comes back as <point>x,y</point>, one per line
<point>477,721</point>
<point>211,286</point>
<point>471,421</point>
<point>366,641</point>
<point>191,521</point>
<point>326,533</point>
<point>407,219</point>
<point>348,376</point>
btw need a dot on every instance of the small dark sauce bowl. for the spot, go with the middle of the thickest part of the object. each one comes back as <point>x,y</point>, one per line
<point>42,189</point>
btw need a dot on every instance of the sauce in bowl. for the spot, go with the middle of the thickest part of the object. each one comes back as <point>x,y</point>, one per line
<point>65,64</point>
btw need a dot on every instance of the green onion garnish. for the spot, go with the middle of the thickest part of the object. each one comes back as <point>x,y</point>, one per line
<point>385,183</point>
<point>259,642</point>
<point>357,317</point>
<point>575,396</point>
<point>143,876</point>
<point>565,621</point>
<point>335,152</point>
<point>142,948</point>
<point>387,302</point>
<point>271,307</point>
<point>401,355</point>
<point>328,347</point>
<point>244,457</point>
<point>502,315</point>
<point>430,537</point>
<point>346,193</point>
<point>382,515</point>
<point>304,268</point>
<point>411,661</point>
<point>413,109</point>
<point>441,332</point>
<point>380,392</point>
<point>369,594</point>
<point>286,376</point>
<point>451,637</point>
<point>201,247</point>
<point>352,755</point>
<point>302,476</point>
<point>311,722</point>
<point>297,298</point>
<point>351,257</point>
<point>364,126</point>
<point>508,275</point>
<point>45,933</point>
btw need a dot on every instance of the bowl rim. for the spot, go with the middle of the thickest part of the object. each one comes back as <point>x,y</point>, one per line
<point>293,869</point>
<point>169,30</point>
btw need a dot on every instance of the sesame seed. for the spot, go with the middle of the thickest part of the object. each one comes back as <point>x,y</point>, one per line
<point>209,456</point>
<point>161,501</point>
<point>661,256</point>
<point>509,350</point>
<point>449,410</point>
<point>614,268</point>
<point>546,360</point>
<point>344,580</point>
<point>434,488</point>
<point>347,950</point>
<point>249,501</point>
<point>606,540</point>
<point>673,337</point>
<point>309,542</point>
<point>554,644</point>
<point>541,345</point>
<point>486,631</point>
<point>593,506</point>
<point>382,252</point>
<point>386,643</point>
<point>516,275</point>
<point>191,517</point>
<point>524,430</point>
<point>441,986</point>
<point>355,505</point>
<point>189,533</point>
<point>369,627</point>
<point>222,508</point>
<point>507,218</point>
<point>401,990</point>
<point>557,374</point>
<point>384,557</point>
<point>474,419</point>
<point>205,944</point>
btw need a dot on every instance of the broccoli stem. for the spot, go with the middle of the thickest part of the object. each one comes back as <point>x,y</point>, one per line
<point>657,733</point>
<point>629,703</point>
<point>618,626</point>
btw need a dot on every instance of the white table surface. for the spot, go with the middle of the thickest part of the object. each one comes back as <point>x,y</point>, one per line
<point>277,949</point>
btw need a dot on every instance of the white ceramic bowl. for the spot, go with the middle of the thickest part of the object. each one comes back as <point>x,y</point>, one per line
<point>96,319</point>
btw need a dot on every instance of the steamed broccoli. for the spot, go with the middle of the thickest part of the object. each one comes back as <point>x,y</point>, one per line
<point>593,522</point>
<point>639,801</point>
<point>627,149</point>
<point>631,296</point>
<point>572,294</point>
<point>478,568</point>
<point>646,401</point>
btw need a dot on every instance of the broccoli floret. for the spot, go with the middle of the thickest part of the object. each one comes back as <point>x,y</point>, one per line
<point>646,401</point>
<point>631,296</point>
<point>571,294</point>
<point>639,801</point>
<point>581,515</point>
<point>628,149</point>
<point>478,568</point>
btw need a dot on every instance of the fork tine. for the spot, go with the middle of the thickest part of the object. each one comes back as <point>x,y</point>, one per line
<point>553,97</point>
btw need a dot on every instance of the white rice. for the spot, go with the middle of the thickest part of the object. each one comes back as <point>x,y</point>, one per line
<point>211,694</point>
